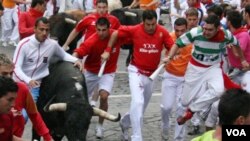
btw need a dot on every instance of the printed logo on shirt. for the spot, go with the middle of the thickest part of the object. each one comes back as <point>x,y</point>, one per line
<point>30,60</point>
<point>45,59</point>
<point>149,48</point>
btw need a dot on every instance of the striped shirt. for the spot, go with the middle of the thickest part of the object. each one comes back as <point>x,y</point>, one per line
<point>204,51</point>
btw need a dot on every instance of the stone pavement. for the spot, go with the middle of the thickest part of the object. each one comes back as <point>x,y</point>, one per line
<point>119,102</point>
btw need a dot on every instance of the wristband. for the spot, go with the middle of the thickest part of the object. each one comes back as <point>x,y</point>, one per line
<point>108,49</point>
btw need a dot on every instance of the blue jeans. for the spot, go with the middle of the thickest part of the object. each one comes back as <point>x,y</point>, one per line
<point>25,115</point>
<point>35,93</point>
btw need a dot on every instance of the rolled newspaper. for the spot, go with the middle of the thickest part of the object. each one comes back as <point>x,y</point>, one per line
<point>156,72</point>
<point>102,69</point>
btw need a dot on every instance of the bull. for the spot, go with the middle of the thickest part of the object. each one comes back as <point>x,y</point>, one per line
<point>62,24</point>
<point>63,103</point>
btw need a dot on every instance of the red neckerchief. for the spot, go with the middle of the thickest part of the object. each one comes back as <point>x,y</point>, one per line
<point>219,37</point>
<point>198,4</point>
<point>35,13</point>
<point>208,2</point>
<point>239,30</point>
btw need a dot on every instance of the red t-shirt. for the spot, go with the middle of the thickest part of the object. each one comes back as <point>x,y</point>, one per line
<point>27,22</point>
<point>94,47</point>
<point>25,100</point>
<point>87,24</point>
<point>147,47</point>
<point>6,123</point>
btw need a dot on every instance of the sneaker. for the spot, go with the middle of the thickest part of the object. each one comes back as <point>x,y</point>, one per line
<point>4,44</point>
<point>194,130</point>
<point>124,135</point>
<point>164,135</point>
<point>187,116</point>
<point>99,132</point>
<point>13,43</point>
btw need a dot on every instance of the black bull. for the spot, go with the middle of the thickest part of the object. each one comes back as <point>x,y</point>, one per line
<point>63,103</point>
<point>60,28</point>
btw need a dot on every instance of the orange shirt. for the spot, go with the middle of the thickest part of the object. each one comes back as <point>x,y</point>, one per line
<point>178,65</point>
<point>8,4</point>
<point>144,2</point>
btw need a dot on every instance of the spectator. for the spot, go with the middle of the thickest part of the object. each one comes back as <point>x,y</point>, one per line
<point>27,19</point>
<point>87,24</point>
<point>234,20</point>
<point>234,109</point>
<point>148,38</point>
<point>33,54</point>
<point>204,71</point>
<point>25,101</point>
<point>9,20</point>
<point>173,79</point>
<point>92,48</point>
<point>8,90</point>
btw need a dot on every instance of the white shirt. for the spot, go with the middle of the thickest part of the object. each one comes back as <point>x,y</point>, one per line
<point>31,58</point>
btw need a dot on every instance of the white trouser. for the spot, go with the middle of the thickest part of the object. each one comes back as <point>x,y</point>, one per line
<point>141,88</point>
<point>202,87</point>
<point>212,118</point>
<point>103,83</point>
<point>171,92</point>
<point>65,5</point>
<point>9,22</point>
<point>245,83</point>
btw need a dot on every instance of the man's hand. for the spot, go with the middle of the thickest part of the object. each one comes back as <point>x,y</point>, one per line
<point>78,64</point>
<point>105,56</point>
<point>16,112</point>
<point>1,130</point>
<point>166,60</point>
<point>245,65</point>
<point>65,47</point>
<point>34,83</point>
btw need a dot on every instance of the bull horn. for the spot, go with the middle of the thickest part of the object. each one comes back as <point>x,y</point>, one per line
<point>68,20</point>
<point>130,14</point>
<point>106,115</point>
<point>58,107</point>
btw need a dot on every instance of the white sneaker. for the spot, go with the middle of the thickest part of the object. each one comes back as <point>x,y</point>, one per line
<point>13,43</point>
<point>4,44</point>
<point>124,135</point>
<point>99,132</point>
<point>164,135</point>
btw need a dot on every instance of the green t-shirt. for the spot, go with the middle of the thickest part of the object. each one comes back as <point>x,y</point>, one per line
<point>208,136</point>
